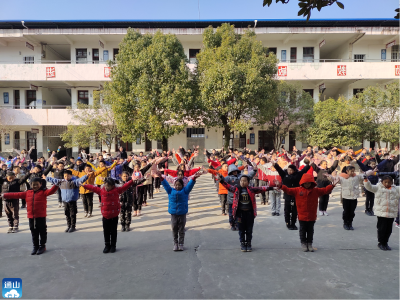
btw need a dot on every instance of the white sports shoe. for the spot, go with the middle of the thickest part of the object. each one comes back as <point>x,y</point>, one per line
<point>397,225</point>
<point>321,213</point>
<point>325,213</point>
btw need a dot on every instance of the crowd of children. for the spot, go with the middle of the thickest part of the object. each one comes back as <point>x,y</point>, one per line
<point>125,182</point>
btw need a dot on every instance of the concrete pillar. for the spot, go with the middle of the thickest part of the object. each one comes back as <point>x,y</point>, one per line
<point>22,98</point>
<point>74,98</point>
<point>316,94</point>
<point>22,140</point>
<point>39,98</point>
<point>39,142</point>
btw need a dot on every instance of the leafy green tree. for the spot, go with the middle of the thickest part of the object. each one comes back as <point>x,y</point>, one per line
<point>293,112</point>
<point>306,6</point>
<point>235,78</point>
<point>151,91</point>
<point>91,124</point>
<point>338,122</point>
<point>382,105</point>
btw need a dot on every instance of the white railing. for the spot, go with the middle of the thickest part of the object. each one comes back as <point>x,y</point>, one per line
<point>34,106</point>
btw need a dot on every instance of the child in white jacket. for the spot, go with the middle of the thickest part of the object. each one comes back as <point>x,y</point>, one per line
<point>385,207</point>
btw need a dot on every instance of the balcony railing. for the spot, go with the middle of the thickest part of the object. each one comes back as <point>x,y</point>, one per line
<point>79,62</point>
<point>35,106</point>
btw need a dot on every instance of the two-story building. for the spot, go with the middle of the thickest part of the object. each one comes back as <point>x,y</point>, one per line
<point>46,66</point>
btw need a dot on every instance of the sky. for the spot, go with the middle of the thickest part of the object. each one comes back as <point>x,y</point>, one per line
<point>184,10</point>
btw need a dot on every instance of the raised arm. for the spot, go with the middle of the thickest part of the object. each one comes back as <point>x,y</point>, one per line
<point>369,187</point>
<point>92,188</point>
<point>279,170</point>
<point>51,191</point>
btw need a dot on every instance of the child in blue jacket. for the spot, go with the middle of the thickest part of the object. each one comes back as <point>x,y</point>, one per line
<point>178,198</point>
<point>69,187</point>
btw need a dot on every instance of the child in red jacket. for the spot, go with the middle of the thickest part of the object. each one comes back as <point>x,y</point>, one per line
<point>36,203</point>
<point>111,207</point>
<point>307,205</point>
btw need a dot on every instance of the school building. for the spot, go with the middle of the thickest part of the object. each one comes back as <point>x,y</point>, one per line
<point>47,66</point>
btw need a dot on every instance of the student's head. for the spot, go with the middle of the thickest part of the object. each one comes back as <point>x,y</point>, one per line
<point>125,176</point>
<point>100,157</point>
<point>329,156</point>
<point>25,164</point>
<point>178,184</point>
<point>37,169</point>
<point>60,166</point>
<point>181,167</point>
<point>309,148</point>
<point>372,164</point>
<point>102,164</point>
<point>347,159</point>
<point>323,164</point>
<point>68,175</point>
<point>387,181</point>
<point>10,157</point>
<point>10,176</point>
<point>4,167</point>
<point>291,169</point>
<point>257,160</point>
<point>244,181</point>
<point>79,162</point>
<point>36,184</point>
<point>273,156</point>
<point>251,156</point>
<point>121,160</point>
<point>143,163</point>
<point>83,151</point>
<point>109,184</point>
<point>307,185</point>
<point>72,160</point>
<point>136,168</point>
<point>224,167</point>
<point>121,149</point>
<point>180,174</point>
<point>263,160</point>
<point>350,170</point>
<point>88,169</point>
<point>140,153</point>
<point>16,169</point>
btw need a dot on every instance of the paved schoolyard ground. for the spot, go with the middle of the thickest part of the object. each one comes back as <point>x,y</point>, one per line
<point>348,264</point>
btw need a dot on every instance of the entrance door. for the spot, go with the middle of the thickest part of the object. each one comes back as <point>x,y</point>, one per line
<point>95,56</point>
<point>292,140</point>
<point>265,140</point>
<point>31,141</point>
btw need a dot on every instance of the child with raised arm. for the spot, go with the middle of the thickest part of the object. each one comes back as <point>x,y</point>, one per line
<point>178,207</point>
<point>307,203</point>
<point>110,208</point>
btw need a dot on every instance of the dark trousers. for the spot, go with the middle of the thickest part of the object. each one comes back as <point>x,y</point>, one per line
<point>290,210</point>
<point>87,201</point>
<point>141,191</point>
<point>110,231</point>
<point>11,208</point>
<point>349,207</point>
<point>38,229</point>
<point>306,231</point>
<point>245,221</point>
<point>150,190</point>
<point>157,182</point>
<point>384,227</point>
<point>369,200</point>
<point>126,213</point>
<point>144,192</point>
<point>23,201</point>
<point>323,203</point>
<point>224,202</point>
<point>397,219</point>
<point>59,195</point>
<point>265,198</point>
<point>99,195</point>
<point>70,211</point>
<point>178,223</point>
<point>231,219</point>
<point>256,182</point>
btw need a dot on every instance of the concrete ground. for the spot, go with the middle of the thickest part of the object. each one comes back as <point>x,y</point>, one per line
<point>347,264</point>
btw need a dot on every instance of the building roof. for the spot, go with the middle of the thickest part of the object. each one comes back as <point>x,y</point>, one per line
<point>39,24</point>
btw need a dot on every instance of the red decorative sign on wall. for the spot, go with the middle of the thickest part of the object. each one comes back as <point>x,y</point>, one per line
<point>107,72</point>
<point>282,71</point>
<point>50,72</point>
<point>341,70</point>
<point>397,70</point>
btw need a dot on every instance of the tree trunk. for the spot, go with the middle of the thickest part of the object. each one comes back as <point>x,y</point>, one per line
<point>164,143</point>
<point>227,137</point>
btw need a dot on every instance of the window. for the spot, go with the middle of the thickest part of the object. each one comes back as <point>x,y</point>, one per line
<point>283,56</point>
<point>308,54</point>
<point>16,140</point>
<point>95,56</point>
<point>115,52</point>
<point>83,97</point>
<point>159,144</point>
<point>126,145</point>
<point>81,55</point>
<point>310,91</point>
<point>31,138</point>
<point>192,55</point>
<point>195,132</point>
<point>383,54</point>
<point>7,139</point>
<point>31,99</point>
<point>16,101</point>
<point>29,59</point>
<point>395,53</point>
<point>271,50</point>
<point>98,144</point>
<point>357,91</point>
<point>293,54</point>
<point>242,140</point>
<point>139,139</point>
<point>359,57</point>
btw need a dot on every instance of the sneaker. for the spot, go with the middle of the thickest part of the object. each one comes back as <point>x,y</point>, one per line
<point>23,206</point>
<point>367,212</point>
<point>382,247</point>
<point>59,205</point>
<point>10,230</point>
<point>134,214</point>
<point>325,213</point>
<point>372,213</point>
<point>233,228</point>
<point>321,213</point>
<point>67,230</point>
<point>106,249</point>
<point>123,228</point>
<point>397,225</point>
<point>15,230</point>
<point>310,247</point>
<point>180,247</point>
<point>127,228</point>
<point>273,214</point>
<point>243,247</point>
<point>236,228</point>
<point>346,227</point>
<point>304,247</point>
<point>41,250</point>
<point>175,247</point>
<point>351,226</point>
<point>89,215</point>
<point>387,247</point>
<point>139,213</point>
<point>277,214</point>
<point>72,229</point>
<point>113,249</point>
<point>248,246</point>
<point>289,226</point>
<point>294,227</point>
<point>35,249</point>
<point>86,214</point>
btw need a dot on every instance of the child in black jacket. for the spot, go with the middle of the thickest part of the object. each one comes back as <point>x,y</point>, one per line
<point>126,200</point>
